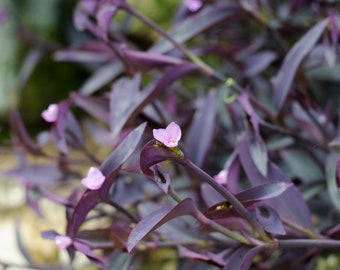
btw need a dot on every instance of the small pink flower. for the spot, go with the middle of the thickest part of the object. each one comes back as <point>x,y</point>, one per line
<point>63,241</point>
<point>221,177</point>
<point>168,136</point>
<point>94,179</point>
<point>50,115</point>
<point>193,5</point>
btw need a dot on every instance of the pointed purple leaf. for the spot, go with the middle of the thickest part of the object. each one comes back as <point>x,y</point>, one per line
<point>270,220</point>
<point>98,260</point>
<point>86,203</point>
<point>262,192</point>
<point>158,218</point>
<point>196,24</point>
<point>242,258</point>
<point>296,210</point>
<point>205,257</point>
<point>210,195</point>
<point>101,77</point>
<point>20,131</point>
<point>152,154</point>
<point>124,98</point>
<point>203,124</point>
<point>145,61</point>
<point>331,179</point>
<point>283,80</point>
<point>258,62</point>
<point>97,107</point>
<point>161,177</point>
<point>50,234</point>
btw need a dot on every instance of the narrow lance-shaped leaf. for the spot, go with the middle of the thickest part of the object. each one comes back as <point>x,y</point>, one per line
<point>332,187</point>
<point>269,219</point>
<point>242,258</point>
<point>158,218</point>
<point>119,156</point>
<point>195,25</point>
<point>285,76</point>
<point>290,205</point>
<point>203,124</point>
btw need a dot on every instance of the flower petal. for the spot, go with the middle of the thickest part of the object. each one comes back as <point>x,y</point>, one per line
<point>62,241</point>
<point>94,179</point>
<point>174,131</point>
<point>50,115</point>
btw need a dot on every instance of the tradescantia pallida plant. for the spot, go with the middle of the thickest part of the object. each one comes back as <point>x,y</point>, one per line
<point>222,138</point>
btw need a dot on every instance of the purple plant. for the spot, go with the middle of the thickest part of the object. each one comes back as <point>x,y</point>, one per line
<point>222,137</point>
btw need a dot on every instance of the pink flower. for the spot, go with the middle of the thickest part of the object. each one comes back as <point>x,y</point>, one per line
<point>62,241</point>
<point>193,5</point>
<point>221,177</point>
<point>50,115</point>
<point>94,179</point>
<point>168,136</point>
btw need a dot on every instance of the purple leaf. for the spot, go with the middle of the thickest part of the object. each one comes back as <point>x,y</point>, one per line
<point>242,258</point>
<point>206,256</point>
<point>283,80</point>
<point>296,210</point>
<point>36,174</point>
<point>97,107</point>
<point>262,192</point>
<point>152,154</point>
<point>50,234</point>
<point>258,62</point>
<point>118,157</point>
<point>145,61</point>
<point>98,260</point>
<point>123,151</point>
<point>195,25</point>
<point>161,177</point>
<point>101,77</point>
<point>104,16</point>
<point>19,129</point>
<point>331,179</point>
<point>269,219</point>
<point>203,124</point>
<point>158,218</point>
<point>210,195</point>
<point>124,99</point>
<point>86,203</point>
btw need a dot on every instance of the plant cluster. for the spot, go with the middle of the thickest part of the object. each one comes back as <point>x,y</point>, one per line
<point>222,137</point>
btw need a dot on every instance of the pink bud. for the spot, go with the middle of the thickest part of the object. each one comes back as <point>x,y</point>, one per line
<point>94,179</point>
<point>50,115</point>
<point>168,136</point>
<point>62,241</point>
<point>221,177</point>
<point>193,5</point>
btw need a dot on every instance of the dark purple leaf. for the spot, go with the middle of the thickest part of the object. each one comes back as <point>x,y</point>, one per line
<point>158,218</point>
<point>145,61</point>
<point>331,179</point>
<point>242,258</point>
<point>50,234</point>
<point>101,77</point>
<point>202,124</point>
<point>152,154</point>
<point>124,99</point>
<point>283,80</point>
<point>29,64</point>
<point>196,24</point>
<point>296,210</point>
<point>104,15</point>
<point>86,203</point>
<point>258,62</point>
<point>123,151</point>
<point>161,177</point>
<point>19,130</point>
<point>97,107</point>
<point>206,256</point>
<point>269,219</point>
<point>98,260</point>
<point>262,192</point>
<point>36,174</point>
<point>210,196</point>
